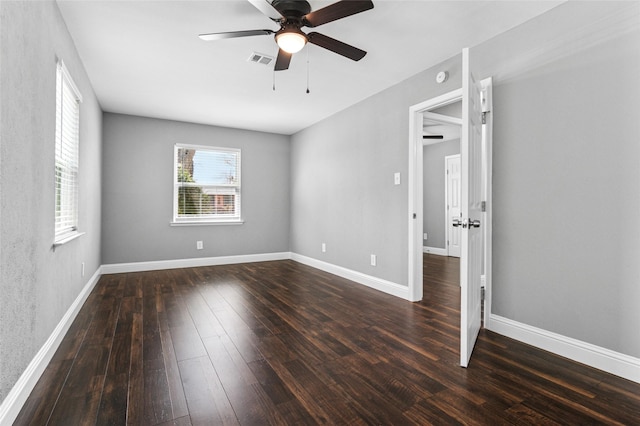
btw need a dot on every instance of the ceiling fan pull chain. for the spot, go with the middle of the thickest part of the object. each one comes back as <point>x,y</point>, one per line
<point>307,69</point>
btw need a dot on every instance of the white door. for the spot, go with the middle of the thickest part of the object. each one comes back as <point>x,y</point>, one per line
<point>471,203</point>
<point>452,203</point>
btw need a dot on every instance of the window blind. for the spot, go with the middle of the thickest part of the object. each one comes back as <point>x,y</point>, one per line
<point>206,184</point>
<point>66,154</point>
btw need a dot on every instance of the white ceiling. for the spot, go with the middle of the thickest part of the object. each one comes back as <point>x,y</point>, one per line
<point>144,57</point>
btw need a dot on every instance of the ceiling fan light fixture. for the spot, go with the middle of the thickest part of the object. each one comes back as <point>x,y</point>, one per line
<point>291,41</point>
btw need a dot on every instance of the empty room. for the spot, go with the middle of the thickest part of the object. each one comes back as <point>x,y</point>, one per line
<point>384,212</point>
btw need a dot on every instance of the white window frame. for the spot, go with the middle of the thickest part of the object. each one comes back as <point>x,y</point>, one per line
<point>67,156</point>
<point>235,188</point>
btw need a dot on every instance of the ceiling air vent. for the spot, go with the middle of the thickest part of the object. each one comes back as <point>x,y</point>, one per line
<point>260,58</point>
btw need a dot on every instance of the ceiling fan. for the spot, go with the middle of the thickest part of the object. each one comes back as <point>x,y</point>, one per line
<point>292,15</point>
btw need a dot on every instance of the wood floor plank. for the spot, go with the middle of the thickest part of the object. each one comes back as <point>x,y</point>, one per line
<point>135,391</point>
<point>526,416</point>
<point>459,407</point>
<point>312,395</point>
<point>113,402</point>
<point>176,392</point>
<point>207,401</point>
<point>250,403</point>
<point>276,343</point>
<point>426,413</point>
<point>79,398</point>
<point>182,421</point>
<point>113,405</point>
<point>157,399</point>
<point>43,398</point>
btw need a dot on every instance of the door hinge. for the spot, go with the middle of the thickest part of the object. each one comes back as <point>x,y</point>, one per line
<point>485,99</point>
<point>484,118</point>
<point>414,215</point>
<point>483,206</point>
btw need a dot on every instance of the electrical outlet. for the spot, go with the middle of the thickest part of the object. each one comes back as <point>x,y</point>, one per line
<point>199,245</point>
<point>396,178</point>
<point>425,236</point>
<point>374,260</point>
<point>324,248</point>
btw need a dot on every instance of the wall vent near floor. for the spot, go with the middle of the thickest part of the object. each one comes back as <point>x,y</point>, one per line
<point>260,58</point>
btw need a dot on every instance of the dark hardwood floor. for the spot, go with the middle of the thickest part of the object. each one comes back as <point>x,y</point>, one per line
<point>283,343</point>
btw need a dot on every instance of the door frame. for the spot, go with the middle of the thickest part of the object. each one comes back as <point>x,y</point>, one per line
<point>415,183</point>
<point>416,187</point>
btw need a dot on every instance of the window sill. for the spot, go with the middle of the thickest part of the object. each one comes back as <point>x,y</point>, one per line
<point>67,238</point>
<point>203,223</point>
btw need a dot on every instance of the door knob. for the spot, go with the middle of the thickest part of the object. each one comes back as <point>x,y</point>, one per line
<point>467,223</point>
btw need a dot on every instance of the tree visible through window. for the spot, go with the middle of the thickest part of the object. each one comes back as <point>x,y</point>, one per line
<point>207,184</point>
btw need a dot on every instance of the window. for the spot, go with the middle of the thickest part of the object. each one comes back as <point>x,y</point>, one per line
<point>66,155</point>
<point>206,184</point>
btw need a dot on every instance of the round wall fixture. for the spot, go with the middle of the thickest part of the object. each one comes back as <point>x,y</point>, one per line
<point>442,77</point>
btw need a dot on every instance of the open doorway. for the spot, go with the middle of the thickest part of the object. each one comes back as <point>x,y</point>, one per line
<point>475,260</point>
<point>441,204</point>
<point>442,180</point>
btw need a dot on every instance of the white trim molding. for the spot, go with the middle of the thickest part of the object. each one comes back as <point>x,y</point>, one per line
<point>18,395</point>
<point>358,277</point>
<point>117,268</point>
<point>594,356</point>
<point>415,186</point>
<point>435,250</point>
<point>388,287</point>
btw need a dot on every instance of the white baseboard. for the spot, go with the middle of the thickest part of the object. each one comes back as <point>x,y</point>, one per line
<point>368,280</point>
<point>117,268</point>
<point>18,395</point>
<point>576,350</point>
<point>435,250</point>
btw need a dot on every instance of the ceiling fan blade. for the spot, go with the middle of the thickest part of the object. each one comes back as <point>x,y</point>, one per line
<point>336,46</point>
<point>283,60</point>
<point>266,8</point>
<point>234,34</point>
<point>338,10</point>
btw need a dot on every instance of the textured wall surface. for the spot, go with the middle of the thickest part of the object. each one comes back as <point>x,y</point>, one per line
<point>434,191</point>
<point>138,192</point>
<point>38,284</point>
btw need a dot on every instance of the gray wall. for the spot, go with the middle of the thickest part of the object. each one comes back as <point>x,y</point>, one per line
<point>566,174</point>
<point>566,190</point>
<point>434,191</point>
<point>342,187</point>
<point>38,285</point>
<point>138,192</point>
